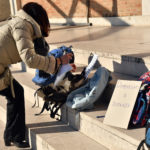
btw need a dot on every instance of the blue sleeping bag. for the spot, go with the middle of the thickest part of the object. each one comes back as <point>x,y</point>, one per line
<point>85,96</point>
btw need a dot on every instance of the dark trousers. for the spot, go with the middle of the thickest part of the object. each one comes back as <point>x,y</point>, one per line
<point>15,124</point>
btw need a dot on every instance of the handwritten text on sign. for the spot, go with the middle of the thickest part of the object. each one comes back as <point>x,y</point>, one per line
<point>122,103</point>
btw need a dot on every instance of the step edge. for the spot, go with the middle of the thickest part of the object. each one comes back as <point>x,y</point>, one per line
<point>107,128</point>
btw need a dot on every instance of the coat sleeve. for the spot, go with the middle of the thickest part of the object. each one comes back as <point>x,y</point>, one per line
<point>23,36</point>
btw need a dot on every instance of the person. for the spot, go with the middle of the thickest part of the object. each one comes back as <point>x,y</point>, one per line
<point>16,45</point>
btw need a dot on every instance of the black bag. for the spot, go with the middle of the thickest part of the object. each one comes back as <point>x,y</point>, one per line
<point>55,97</point>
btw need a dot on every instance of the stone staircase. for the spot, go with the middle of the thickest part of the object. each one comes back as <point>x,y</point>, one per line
<point>46,133</point>
<point>81,130</point>
<point>76,130</point>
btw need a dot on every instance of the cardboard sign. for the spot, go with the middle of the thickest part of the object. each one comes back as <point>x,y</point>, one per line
<point>122,103</point>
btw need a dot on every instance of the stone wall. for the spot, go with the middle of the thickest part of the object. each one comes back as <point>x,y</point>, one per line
<point>145,7</point>
<point>98,8</point>
<point>4,9</point>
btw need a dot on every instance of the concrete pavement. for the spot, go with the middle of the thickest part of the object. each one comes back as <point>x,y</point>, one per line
<point>122,40</point>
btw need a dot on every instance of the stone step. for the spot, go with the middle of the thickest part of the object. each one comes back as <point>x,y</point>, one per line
<point>120,49</point>
<point>46,133</point>
<point>2,146</point>
<point>124,64</point>
<point>91,122</point>
<point>28,81</point>
<point>113,138</point>
<point>134,65</point>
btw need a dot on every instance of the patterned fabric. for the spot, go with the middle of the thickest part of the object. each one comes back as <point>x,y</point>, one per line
<point>145,78</point>
<point>141,112</point>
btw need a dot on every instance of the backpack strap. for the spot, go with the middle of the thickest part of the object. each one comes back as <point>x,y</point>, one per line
<point>54,112</point>
<point>147,134</point>
<point>141,145</point>
<point>36,98</point>
<point>145,141</point>
<point>46,106</point>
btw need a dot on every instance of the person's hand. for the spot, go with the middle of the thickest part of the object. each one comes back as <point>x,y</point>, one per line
<point>73,67</point>
<point>65,58</point>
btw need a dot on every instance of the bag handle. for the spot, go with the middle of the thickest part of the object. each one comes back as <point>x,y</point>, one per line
<point>141,145</point>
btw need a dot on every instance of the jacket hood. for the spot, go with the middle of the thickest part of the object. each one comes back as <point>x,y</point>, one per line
<point>22,14</point>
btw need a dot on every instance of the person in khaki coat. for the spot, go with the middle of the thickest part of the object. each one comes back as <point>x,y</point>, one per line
<point>16,45</point>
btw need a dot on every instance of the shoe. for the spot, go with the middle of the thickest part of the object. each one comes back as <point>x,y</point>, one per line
<point>21,144</point>
<point>7,142</point>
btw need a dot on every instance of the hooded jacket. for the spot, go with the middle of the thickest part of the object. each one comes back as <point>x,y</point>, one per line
<point>16,45</point>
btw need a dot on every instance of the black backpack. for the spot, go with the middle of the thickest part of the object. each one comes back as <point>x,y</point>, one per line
<point>55,96</point>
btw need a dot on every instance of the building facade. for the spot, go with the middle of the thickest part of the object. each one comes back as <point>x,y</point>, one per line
<point>69,10</point>
<point>93,8</point>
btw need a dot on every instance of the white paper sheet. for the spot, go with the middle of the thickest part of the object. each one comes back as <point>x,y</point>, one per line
<point>91,65</point>
<point>61,74</point>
